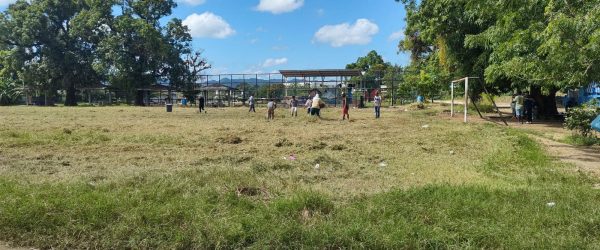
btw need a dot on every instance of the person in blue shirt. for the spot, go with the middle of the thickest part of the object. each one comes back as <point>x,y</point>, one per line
<point>184,101</point>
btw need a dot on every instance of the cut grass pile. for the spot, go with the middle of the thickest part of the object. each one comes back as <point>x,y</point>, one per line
<point>126,177</point>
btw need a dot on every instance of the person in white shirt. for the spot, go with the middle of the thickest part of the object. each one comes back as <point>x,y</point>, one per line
<point>317,104</point>
<point>377,102</point>
<point>251,103</point>
<point>271,106</point>
<point>308,105</point>
<point>294,106</point>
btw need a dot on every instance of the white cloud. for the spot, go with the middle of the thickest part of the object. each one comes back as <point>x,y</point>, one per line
<point>279,6</point>
<point>339,35</point>
<point>398,35</point>
<point>320,12</point>
<point>254,41</point>
<point>6,2</point>
<point>208,25</point>
<point>261,29</point>
<point>274,62</point>
<point>193,2</point>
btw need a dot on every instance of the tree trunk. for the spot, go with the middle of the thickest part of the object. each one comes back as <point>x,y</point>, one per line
<point>546,104</point>
<point>139,98</point>
<point>71,98</point>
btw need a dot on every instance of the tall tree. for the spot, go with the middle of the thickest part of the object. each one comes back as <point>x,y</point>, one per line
<point>435,37</point>
<point>52,42</point>
<point>373,66</point>
<point>139,51</point>
<point>540,45</point>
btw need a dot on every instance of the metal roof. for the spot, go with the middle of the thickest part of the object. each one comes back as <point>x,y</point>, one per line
<point>320,72</point>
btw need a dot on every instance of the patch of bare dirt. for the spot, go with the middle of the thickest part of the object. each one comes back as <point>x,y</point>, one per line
<point>585,158</point>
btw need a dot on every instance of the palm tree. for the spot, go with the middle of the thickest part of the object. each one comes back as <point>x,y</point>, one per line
<point>10,93</point>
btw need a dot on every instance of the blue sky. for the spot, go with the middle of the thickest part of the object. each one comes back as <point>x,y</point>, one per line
<point>261,36</point>
<point>265,41</point>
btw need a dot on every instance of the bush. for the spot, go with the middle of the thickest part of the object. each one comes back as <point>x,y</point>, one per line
<point>580,119</point>
<point>9,92</point>
<point>579,140</point>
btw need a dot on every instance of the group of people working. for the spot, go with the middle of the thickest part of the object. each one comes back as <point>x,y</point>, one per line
<point>522,107</point>
<point>313,106</point>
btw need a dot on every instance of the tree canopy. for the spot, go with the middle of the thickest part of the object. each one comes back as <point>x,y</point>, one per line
<point>540,45</point>
<point>66,44</point>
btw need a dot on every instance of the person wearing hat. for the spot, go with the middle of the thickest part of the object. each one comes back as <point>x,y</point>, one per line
<point>316,106</point>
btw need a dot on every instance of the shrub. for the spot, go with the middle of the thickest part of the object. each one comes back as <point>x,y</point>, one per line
<point>9,92</point>
<point>580,119</point>
<point>579,140</point>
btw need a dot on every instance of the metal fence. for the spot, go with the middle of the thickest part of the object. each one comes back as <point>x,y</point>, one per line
<point>235,89</point>
<point>230,90</point>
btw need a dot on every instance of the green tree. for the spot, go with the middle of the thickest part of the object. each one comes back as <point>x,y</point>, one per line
<point>435,37</point>
<point>52,42</point>
<point>373,66</point>
<point>139,51</point>
<point>551,47</point>
<point>10,93</point>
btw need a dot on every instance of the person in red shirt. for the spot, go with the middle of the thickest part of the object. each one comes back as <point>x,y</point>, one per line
<point>345,107</point>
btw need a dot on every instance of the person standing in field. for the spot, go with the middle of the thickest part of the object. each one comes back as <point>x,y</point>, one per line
<point>184,102</point>
<point>529,103</point>
<point>271,106</point>
<point>251,103</point>
<point>345,107</point>
<point>294,106</point>
<point>315,109</point>
<point>377,102</point>
<point>308,105</point>
<point>519,101</point>
<point>201,104</point>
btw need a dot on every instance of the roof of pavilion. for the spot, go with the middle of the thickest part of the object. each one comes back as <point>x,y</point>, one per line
<point>320,73</point>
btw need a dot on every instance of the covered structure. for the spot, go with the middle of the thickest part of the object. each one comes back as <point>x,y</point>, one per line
<point>328,79</point>
<point>163,93</point>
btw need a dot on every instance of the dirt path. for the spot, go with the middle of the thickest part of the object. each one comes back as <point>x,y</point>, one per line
<point>548,134</point>
<point>586,159</point>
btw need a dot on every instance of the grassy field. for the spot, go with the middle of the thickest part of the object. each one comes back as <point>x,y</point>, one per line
<point>133,177</point>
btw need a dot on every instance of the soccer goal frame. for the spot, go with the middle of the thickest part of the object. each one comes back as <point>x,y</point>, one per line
<point>466,103</point>
<point>466,80</point>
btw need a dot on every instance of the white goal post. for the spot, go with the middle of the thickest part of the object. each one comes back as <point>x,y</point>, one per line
<point>466,80</point>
